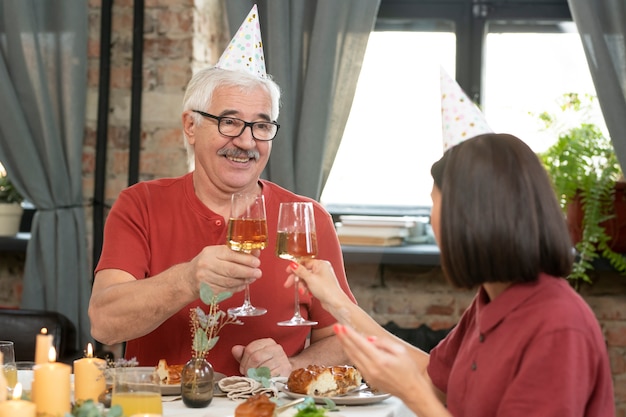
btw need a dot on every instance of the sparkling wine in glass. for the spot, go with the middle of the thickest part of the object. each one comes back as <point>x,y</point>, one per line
<point>247,230</point>
<point>296,240</point>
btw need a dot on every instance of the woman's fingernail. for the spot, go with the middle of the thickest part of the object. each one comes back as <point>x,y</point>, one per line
<point>371,338</point>
<point>339,328</point>
<point>293,265</point>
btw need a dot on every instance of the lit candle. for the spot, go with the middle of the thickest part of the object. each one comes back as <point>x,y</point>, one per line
<point>17,407</point>
<point>43,343</point>
<point>51,387</point>
<point>89,381</point>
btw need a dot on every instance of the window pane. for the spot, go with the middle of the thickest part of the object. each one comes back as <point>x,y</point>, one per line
<point>525,74</point>
<point>393,133</point>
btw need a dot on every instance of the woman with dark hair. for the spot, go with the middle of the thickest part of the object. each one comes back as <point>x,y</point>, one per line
<point>528,345</point>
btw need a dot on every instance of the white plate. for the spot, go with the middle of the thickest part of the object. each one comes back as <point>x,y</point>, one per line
<point>358,397</point>
<point>170,389</point>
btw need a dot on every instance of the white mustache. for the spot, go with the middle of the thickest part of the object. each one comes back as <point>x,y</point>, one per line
<point>239,153</point>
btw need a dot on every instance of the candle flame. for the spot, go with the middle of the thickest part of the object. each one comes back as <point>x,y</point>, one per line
<point>44,330</point>
<point>52,354</point>
<point>17,391</point>
<point>89,350</point>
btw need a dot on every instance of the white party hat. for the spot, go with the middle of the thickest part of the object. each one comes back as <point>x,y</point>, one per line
<point>245,50</point>
<point>461,119</point>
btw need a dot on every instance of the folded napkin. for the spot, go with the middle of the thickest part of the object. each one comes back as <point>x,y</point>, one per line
<point>241,387</point>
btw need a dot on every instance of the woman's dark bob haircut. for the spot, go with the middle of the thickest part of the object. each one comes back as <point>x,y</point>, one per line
<point>500,220</point>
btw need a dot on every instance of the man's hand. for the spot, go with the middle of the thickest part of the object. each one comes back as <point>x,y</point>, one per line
<point>262,352</point>
<point>224,269</point>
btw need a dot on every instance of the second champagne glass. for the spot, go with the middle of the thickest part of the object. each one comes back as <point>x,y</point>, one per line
<point>247,230</point>
<point>296,240</point>
<point>7,364</point>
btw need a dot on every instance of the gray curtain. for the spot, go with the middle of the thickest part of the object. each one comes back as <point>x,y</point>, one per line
<point>602,28</point>
<point>43,82</point>
<point>314,50</point>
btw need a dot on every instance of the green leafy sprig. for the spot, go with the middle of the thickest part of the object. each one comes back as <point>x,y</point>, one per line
<point>90,409</point>
<point>308,408</point>
<point>205,327</point>
<point>8,192</point>
<point>262,375</point>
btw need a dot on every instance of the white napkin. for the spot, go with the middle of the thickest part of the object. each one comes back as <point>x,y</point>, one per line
<point>241,387</point>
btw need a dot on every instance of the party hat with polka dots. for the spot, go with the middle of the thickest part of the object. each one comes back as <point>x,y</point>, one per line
<point>245,50</point>
<point>461,119</point>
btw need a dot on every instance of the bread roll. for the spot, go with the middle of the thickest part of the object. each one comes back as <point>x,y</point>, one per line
<point>258,405</point>
<point>169,374</point>
<point>324,381</point>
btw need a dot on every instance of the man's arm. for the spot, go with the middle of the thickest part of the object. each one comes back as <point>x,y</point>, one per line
<point>324,349</point>
<point>123,308</point>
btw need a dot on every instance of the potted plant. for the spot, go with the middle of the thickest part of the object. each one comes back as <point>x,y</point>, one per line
<point>589,183</point>
<point>10,206</point>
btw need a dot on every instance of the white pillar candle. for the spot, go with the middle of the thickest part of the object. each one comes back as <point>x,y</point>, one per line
<point>51,387</point>
<point>89,381</point>
<point>43,343</point>
<point>17,407</point>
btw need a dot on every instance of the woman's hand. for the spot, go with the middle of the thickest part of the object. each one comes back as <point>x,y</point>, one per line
<point>385,364</point>
<point>318,277</point>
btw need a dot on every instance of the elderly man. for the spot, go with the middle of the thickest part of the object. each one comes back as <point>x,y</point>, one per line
<point>165,237</point>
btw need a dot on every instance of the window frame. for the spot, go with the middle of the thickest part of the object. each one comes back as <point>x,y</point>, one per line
<point>471,20</point>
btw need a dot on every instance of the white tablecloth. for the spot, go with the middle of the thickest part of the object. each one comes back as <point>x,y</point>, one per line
<point>223,407</point>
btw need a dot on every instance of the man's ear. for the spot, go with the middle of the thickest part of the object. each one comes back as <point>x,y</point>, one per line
<point>189,126</point>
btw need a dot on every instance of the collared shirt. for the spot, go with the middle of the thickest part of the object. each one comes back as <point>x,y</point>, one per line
<point>157,224</point>
<point>535,350</point>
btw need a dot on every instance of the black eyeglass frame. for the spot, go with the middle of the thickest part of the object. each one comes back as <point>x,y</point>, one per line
<point>245,124</point>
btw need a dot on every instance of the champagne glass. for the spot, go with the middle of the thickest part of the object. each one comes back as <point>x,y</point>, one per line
<point>296,240</point>
<point>7,363</point>
<point>247,230</point>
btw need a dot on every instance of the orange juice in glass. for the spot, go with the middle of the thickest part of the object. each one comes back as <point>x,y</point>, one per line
<point>138,402</point>
<point>137,391</point>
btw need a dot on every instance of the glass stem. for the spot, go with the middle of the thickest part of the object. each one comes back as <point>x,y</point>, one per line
<point>246,299</point>
<point>296,312</point>
<point>246,294</point>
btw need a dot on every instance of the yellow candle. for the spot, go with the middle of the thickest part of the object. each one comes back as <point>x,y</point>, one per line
<point>89,381</point>
<point>51,387</point>
<point>17,407</point>
<point>43,343</point>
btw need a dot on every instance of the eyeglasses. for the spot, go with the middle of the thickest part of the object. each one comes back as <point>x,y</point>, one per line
<point>233,127</point>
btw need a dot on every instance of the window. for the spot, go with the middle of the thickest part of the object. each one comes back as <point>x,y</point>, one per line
<point>393,133</point>
<point>525,74</point>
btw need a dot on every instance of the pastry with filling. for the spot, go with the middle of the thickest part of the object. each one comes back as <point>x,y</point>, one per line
<point>258,405</point>
<point>169,374</point>
<point>324,381</point>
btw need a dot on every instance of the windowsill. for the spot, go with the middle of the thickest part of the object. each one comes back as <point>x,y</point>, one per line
<point>407,254</point>
<point>15,243</point>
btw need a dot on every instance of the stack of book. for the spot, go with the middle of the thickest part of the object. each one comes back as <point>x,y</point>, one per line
<point>374,230</point>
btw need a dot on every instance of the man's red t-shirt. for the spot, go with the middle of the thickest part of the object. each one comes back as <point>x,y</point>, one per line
<point>154,225</point>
